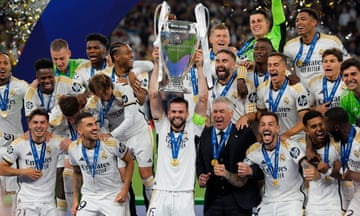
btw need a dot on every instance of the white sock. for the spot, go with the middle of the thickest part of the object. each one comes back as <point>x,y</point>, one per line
<point>61,206</point>
<point>148,183</point>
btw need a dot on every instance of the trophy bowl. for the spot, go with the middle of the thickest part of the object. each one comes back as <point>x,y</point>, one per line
<point>178,43</point>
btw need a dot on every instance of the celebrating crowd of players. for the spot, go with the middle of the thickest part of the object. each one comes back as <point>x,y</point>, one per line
<point>261,139</point>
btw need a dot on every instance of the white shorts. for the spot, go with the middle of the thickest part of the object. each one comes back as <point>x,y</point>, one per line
<point>293,208</point>
<point>102,205</point>
<point>36,208</point>
<point>60,161</point>
<point>164,203</point>
<point>141,148</point>
<point>354,207</point>
<point>8,183</point>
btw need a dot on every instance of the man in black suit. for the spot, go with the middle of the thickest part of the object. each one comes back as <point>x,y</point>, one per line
<point>217,156</point>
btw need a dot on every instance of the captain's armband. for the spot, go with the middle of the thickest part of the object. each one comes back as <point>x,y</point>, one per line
<point>198,119</point>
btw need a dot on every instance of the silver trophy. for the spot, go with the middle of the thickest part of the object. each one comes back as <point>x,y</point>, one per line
<point>177,41</point>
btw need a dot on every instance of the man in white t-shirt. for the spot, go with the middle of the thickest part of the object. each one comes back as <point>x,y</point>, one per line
<point>36,157</point>
<point>173,190</point>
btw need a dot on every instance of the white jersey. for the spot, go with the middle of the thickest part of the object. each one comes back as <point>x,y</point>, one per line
<point>240,106</point>
<point>32,100</point>
<point>59,125</point>
<point>290,181</point>
<point>181,177</point>
<point>324,194</point>
<point>314,67</point>
<point>84,72</point>
<point>124,118</point>
<point>11,126</point>
<point>107,177</point>
<point>316,88</point>
<point>42,189</point>
<point>294,99</point>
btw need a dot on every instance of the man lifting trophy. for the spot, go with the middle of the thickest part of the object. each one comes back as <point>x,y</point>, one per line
<point>177,41</point>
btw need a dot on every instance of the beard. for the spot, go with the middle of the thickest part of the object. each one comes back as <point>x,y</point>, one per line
<point>177,123</point>
<point>222,76</point>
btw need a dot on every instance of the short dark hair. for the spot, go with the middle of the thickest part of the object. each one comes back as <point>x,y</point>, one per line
<point>311,13</point>
<point>333,51</point>
<point>337,115</point>
<point>97,37</point>
<point>114,48</point>
<point>178,99</point>
<point>69,105</point>
<point>227,51</point>
<point>268,41</point>
<point>43,63</point>
<point>40,112</point>
<point>283,57</point>
<point>81,116</point>
<point>99,83</point>
<point>310,115</point>
<point>350,62</point>
<point>260,11</point>
<point>267,113</point>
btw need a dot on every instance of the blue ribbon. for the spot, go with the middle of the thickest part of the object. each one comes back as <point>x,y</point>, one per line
<point>194,81</point>
<point>333,90</point>
<point>57,72</point>
<point>175,144</point>
<point>212,55</point>
<point>256,78</point>
<point>92,71</point>
<point>227,87</point>
<point>245,47</point>
<point>73,132</point>
<point>217,148</point>
<point>345,149</point>
<point>92,169</point>
<point>39,162</point>
<point>310,52</point>
<point>4,100</point>
<point>326,152</point>
<point>272,169</point>
<point>41,96</point>
<point>274,105</point>
<point>104,109</point>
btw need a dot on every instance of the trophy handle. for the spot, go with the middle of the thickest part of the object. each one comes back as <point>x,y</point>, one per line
<point>202,23</point>
<point>160,18</point>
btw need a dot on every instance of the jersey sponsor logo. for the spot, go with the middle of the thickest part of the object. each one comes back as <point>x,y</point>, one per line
<point>252,97</point>
<point>10,149</point>
<point>302,100</point>
<point>294,152</point>
<point>29,105</point>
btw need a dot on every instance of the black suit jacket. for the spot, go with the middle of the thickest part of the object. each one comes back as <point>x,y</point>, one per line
<point>238,142</point>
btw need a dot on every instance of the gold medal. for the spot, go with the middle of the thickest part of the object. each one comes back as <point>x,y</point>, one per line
<point>195,98</point>
<point>3,113</point>
<point>174,162</point>
<point>327,178</point>
<point>214,162</point>
<point>276,182</point>
<point>299,63</point>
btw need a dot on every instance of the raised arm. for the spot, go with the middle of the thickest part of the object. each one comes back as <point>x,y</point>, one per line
<point>155,101</point>
<point>201,104</point>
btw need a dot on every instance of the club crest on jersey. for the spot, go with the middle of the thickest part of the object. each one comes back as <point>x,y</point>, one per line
<point>10,149</point>
<point>302,100</point>
<point>104,155</point>
<point>48,149</point>
<point>356,153</point>
<point>294,152</point>
<point>282,157</point>
<point>286,100</point>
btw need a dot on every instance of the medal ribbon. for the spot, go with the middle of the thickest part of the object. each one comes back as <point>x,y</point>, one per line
<point>4,100</point>
<point>73,132</point>
<point>39,162</point>
<point>194,82</point>
<point>92,169</point>
<point>212,55</point>
<point>217,148</point>
<point>346,148</point>
<point>326,152</point>
<point>41,96</point>
<point>57,72</point>
<point>256,78</point>
<point>310,52</point>
<point>175,144</point>
<point>245,47</point>
<point>104,109</point>
<point>274,105</point>
<point>333,90</point>
<point>227,87</point>
<point>92,71</point>
<point>273,170</point>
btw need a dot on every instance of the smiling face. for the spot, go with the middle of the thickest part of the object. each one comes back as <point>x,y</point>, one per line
<point>88,129</point>
<point>38,126</point>
<point>177,115</point>
<point>315,129</point>
<point>224,66</point>
<point>124,57</point>
<point>277,69</point>
<point>259,25</point>
<point>269,130</point>
<point>221,115</point>
<point>5,68</point>
<point>305,24</point>
<point>46,79</point>
<point>261,52</point>
<point>351,77</point>
<point>331,66</point>
<point>219,39</point>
